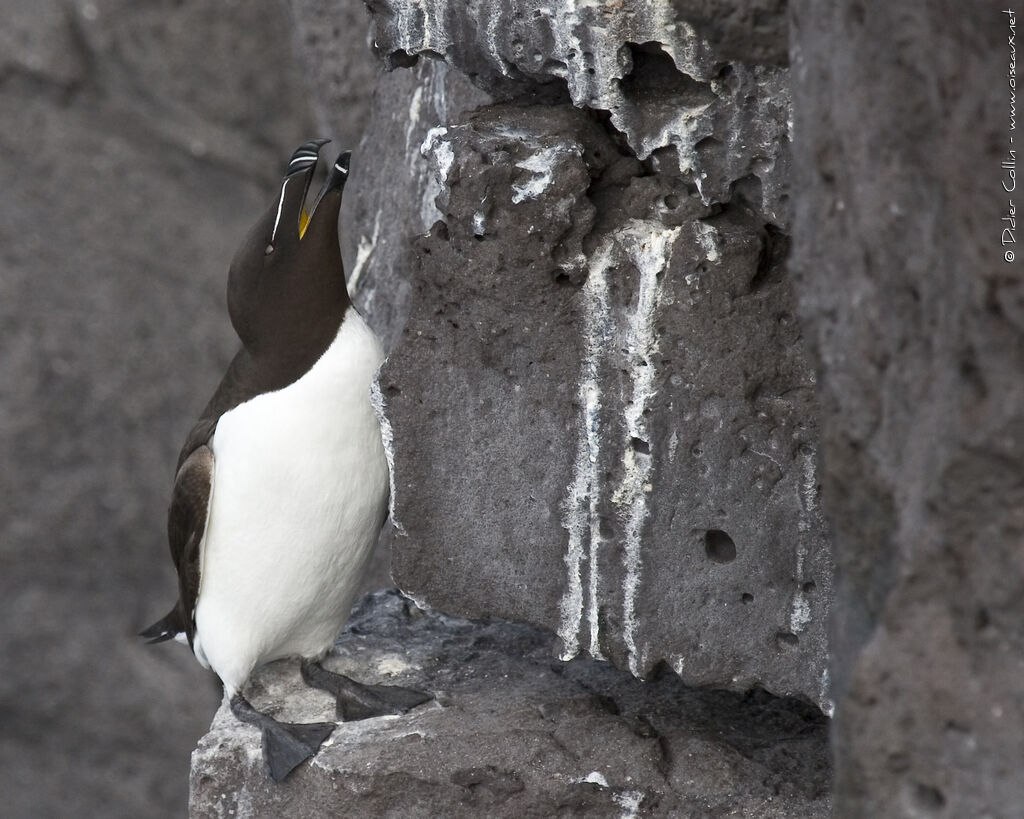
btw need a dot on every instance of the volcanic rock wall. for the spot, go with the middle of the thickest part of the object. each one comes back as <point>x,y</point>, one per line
<point>573,222</point>
<point>904,156</point>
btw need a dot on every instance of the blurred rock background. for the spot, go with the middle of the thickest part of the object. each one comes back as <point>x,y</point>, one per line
<point>137,142</point>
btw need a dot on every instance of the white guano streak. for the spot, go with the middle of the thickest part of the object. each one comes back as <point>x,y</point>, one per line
<point>441,156</point>
<point>707,238</point>
<point>580,505</point>
<point>630,802</point>
<point>415,107</point>
<point>387,437</point>
<point>800,611</point>
<point>649,247</point>
<point>540,166</point>
<point>367,244</point>
<point>826,688</point>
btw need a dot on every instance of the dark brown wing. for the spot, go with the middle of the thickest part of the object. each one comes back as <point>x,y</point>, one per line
<point>186,522</point>
<point>186,518</point>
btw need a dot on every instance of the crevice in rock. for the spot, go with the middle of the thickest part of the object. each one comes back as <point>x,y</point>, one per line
<point>400,59</point>
<point>653,83</point>
<point>771,262</point>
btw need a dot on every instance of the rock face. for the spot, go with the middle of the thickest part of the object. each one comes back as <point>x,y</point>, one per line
<point>601,414</point>
<point>513,733</point>
<point>917,322</point>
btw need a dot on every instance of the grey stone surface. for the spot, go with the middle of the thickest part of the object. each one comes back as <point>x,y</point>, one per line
<point>390,197</point>
<point>514,733</point>
<point>645,63</point>
<point>602,417</point>
<point>917,323</point>
<point>333,44</point>
<point>137,143</point>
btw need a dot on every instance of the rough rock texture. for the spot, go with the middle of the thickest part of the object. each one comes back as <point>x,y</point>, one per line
<point>918,326</point>
<point>514,733</point>
<point>390,197</point>
<point>602,418</point>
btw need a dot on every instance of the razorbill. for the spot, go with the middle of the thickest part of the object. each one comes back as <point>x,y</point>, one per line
<point>281,487</point>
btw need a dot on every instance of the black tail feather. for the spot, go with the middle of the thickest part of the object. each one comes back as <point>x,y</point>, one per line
<point>166,628</point>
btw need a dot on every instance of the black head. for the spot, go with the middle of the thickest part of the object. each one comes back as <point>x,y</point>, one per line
<point>286,285</point>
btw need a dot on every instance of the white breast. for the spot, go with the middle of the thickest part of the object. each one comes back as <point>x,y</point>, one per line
<point>299,492</point>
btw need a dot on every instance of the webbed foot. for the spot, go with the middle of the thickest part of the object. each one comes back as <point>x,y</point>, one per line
<point>285,745</point>
<point>356,700</point>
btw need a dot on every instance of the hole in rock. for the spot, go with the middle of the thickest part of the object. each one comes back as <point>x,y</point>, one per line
<point>809,586</point>
<point>655,80</point>
<point>640,445</point>
<point>551,66</point>
<point>710,147</point>
<point>747,598</point>
<point>771,260</point>
<point>604,119</point>
<point>747,191</point>
<point>402,59</point>
<point>719,546</point>
<point>926,798</point>
<point>787,639</point>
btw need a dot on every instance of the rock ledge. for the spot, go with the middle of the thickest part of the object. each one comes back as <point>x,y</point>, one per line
<point>513,732</point>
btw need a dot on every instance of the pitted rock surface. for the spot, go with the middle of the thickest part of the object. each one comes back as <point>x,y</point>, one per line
<point>666,81</point>
<point>602,420</point>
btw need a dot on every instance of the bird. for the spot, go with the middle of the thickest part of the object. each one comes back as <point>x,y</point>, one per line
<point>281,487</point>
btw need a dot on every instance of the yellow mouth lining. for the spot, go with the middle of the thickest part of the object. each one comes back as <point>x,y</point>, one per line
<point>303,221</point>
